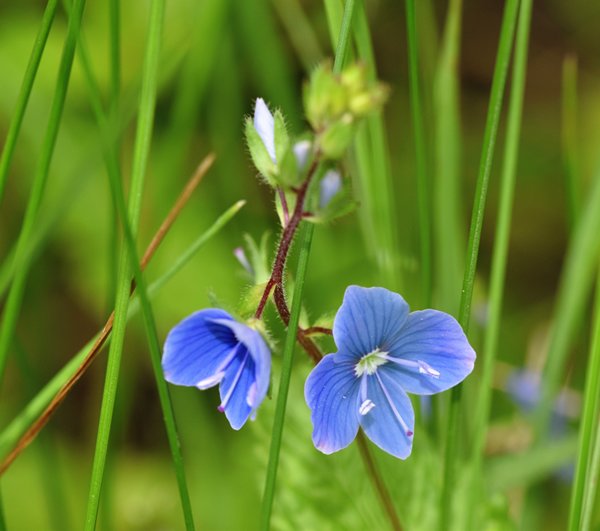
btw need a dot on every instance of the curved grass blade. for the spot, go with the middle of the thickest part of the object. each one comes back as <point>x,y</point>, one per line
<point>24,428</point>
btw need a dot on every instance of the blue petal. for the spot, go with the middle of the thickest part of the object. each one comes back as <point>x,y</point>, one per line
<point>390,423</point>
<point>437,340</point>
<point>369,318</point>
<point>265,126</point>
<point>261,358</point>
<point>331,392</point>
<point>236,387</point>
<point>196,348</point>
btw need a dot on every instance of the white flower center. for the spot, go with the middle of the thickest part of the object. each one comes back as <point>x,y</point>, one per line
<point>369,362</point>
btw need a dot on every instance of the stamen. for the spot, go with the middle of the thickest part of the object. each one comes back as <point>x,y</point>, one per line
<point>236,379</point>
<point>393,407</point>
<point>423,367</point>
<point>369,362</point>
<point>366,406</point>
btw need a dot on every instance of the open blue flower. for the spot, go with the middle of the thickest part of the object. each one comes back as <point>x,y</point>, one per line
<point>210,347</point>
<point>383,352</point>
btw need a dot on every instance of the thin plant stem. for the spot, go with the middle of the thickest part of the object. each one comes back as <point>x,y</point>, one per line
<point>15,296</point>
<point>378,483</point>
<point>420,152</point>
<point>569,139</point>
<point>489,141</point>
<point>25,91</point>
<point>591,485</point>
<point>24,428</point>
<point>582,500</point>
<point>286,371</point>
<point>501,242</point>
<point>140,159</point>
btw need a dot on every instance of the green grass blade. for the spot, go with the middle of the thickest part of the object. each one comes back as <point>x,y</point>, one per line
<point>588,430</point>
<point>591,486</point>
<point>375,175</point>
<point>18,427</point>
<point>569,139</point>
<point>489,141</point>
<point>49,468</point>
<point>286,372</point>
<point>573,293</point>
<point>115,180</point>
<point>501,240</point>
<point>420,152</point>
<point>292,329</point>
<point>449,242</point>
<point>28,79</point>
<point>140,159</point>
<point>303,37</point>
<point>15,295</point>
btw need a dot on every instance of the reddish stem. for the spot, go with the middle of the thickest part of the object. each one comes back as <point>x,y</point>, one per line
<point>286,240</point>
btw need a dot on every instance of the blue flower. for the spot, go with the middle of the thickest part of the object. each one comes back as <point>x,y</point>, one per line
<point>383,352</point>
<point>210,347</point>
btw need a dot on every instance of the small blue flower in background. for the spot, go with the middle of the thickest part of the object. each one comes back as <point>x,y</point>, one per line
<point>264,124</point>
<point>383,352</point>
<point>328,187</point>
<point>210,347</point>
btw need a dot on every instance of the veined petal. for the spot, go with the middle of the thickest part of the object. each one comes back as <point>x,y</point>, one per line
<point>196,348</point>
<point>437,343</point>
<point>235,388</point>
<point>259,353</point>
<point>369,319</point>
<point>265,126</point>
<point>390,422</point>
<point>331,392</point>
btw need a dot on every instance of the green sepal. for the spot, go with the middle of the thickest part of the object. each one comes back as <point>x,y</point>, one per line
<point>334,141</point>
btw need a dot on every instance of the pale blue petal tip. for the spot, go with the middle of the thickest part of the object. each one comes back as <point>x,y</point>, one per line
<point>265,126</point>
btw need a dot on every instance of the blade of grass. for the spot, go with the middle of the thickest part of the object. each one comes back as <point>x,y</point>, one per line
<point>26,86</point>
<point>420,152</point>
<point>140,158</point>
<point>501,244</point>
<point>15,295</point>
<point>292,329</point>
<point>569,138</point>
<point>301,33</point>
<point>591,485</point>
<point>286,372</point>
<point>115,180</point>
<point>588,430</point>
<point>448,220</point>
<point>489,141</point>
<point>376,177</point>
<point>23,429</point>
<point>49,468</point>
<point>573,293</point>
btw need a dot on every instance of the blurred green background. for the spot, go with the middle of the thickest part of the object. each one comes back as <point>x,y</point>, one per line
<point>217,56</point>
